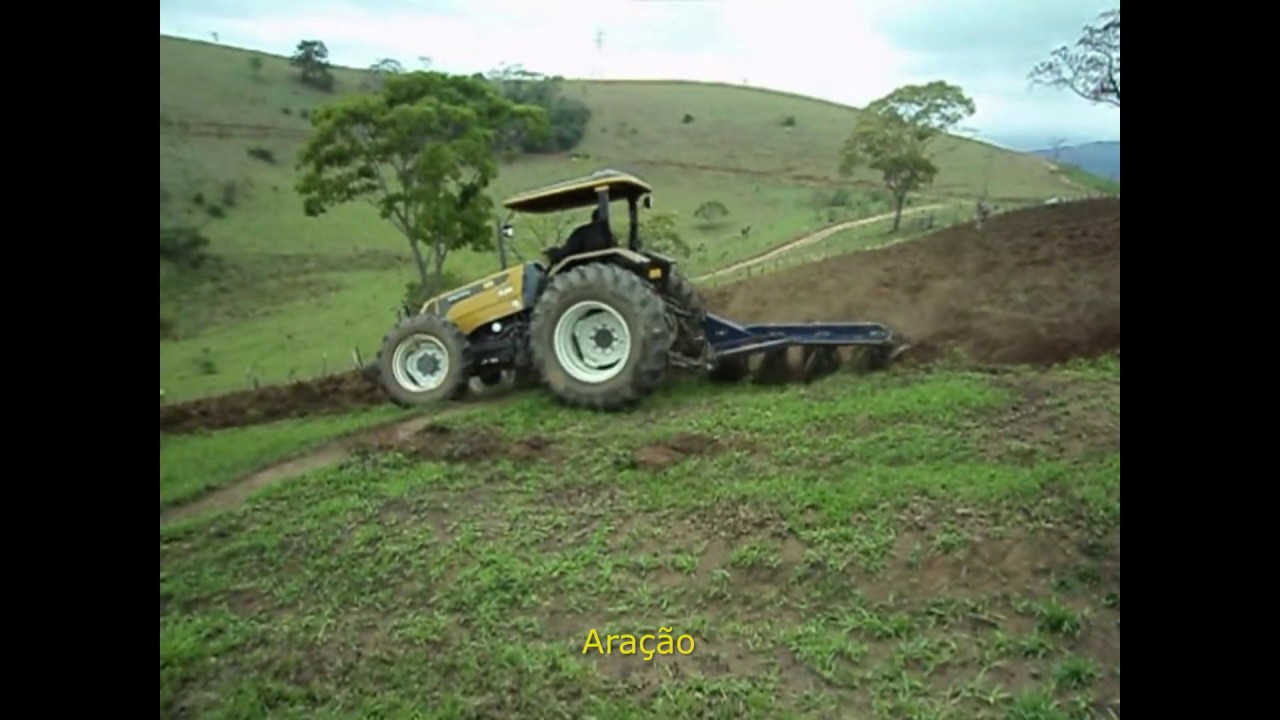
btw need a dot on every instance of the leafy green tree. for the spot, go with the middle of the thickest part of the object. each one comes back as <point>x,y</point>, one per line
<point>892,136</point>
<point>568,117</point>
<point>312,58</point>
<point>379,71</point>
<point>1091,68</point>
<point>422,152</point>
<point>711,212</point>
<point>658,232</point>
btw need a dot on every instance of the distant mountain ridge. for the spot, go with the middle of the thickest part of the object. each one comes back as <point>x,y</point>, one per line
<point>1098,158</point>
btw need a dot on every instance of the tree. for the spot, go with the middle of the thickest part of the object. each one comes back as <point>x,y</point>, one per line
<point>312,58</point>
<point>568,117</point>
<point>379,71</point>
<point>185,247</point>
<point>422,152</point>
<point>658,232</point>
<point>1090,68</point>
<point>710,212</point>
<point>1055,147</point>
<point>892,136</point>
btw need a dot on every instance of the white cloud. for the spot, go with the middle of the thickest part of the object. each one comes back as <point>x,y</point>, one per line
<point>850,52</point>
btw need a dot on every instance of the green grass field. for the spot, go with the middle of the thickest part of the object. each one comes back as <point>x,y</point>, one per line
<point>915,544</point>
<point>1088,180</point>
<point>193,465</point>
<point>296,295</point>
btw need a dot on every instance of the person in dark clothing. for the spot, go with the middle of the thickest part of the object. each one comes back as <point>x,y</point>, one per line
<point>595,235</point>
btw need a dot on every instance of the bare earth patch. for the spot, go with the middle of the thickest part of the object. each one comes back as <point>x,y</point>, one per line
<point>438,442</point>
<point>675,449</point>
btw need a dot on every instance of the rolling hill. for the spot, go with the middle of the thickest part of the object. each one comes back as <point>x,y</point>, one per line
<point>286,296</point>
<point>1098,158</point>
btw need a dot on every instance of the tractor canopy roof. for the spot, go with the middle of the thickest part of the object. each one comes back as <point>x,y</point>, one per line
<point>578,192</point>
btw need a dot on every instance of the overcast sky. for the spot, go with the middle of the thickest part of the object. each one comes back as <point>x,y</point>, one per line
<point>849,51</point>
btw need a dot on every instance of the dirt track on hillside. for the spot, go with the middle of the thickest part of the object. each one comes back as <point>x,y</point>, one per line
<point>1037,285</point>
<point>810,239</point>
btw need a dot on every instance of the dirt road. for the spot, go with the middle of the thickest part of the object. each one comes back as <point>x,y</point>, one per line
<point>327,455</point>
<point>810,239</point>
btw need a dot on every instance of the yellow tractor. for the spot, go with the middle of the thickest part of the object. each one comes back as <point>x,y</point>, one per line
<point>601,325</point>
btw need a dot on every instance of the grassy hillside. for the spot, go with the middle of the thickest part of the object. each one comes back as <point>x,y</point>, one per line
<point>290,296</point>
<point>1098,158</point>
<point>1088,181</point>
<point>1095,165</point>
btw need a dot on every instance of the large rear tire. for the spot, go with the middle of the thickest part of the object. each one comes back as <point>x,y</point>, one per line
<point>600,337</point>
<point>690,339</point>
<point>425,359</point>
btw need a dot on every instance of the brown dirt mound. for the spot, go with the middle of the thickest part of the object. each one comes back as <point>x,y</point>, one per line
<point>1039,285</point>
<point>473,444</point>
<point>329,394</point>
<point>674,449</point>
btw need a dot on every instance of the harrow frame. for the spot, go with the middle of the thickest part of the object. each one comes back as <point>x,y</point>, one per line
<point>728,339</point>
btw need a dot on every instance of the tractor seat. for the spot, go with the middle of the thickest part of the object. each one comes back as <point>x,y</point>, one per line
<point>589,237</point>
<point>586,238</point>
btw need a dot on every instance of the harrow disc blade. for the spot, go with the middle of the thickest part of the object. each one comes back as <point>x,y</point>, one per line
<point>804,364</point>
<point>774,369</point>
<point>870,359</point>
<point>818,362</point>
<point>730,370</point>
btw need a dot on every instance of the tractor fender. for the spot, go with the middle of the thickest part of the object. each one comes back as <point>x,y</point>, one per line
<point>629,259</point>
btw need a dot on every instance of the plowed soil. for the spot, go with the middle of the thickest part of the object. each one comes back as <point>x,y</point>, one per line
<point>329,394</point>
<point>1038,285</point>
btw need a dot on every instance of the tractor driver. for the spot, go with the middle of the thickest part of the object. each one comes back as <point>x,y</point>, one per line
<point>594,235</point>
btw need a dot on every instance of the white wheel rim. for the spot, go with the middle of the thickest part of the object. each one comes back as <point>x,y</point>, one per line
<point>592,342</point>
<point>420,363</point>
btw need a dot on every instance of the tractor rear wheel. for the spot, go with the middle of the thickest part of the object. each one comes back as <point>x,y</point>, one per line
<point>689,340</point>
<point>600,337</point>
<point>424,359</point>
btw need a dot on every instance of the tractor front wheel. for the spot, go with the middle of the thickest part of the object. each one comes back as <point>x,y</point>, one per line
<point>600,337</point>
<point>424,359</point>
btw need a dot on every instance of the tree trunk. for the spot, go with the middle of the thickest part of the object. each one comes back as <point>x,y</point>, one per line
<point>438,254</point>
<point>422,263</point>
<point>897,214</point>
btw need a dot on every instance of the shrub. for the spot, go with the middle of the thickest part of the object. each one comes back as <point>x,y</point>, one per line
<point>263,154</point>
